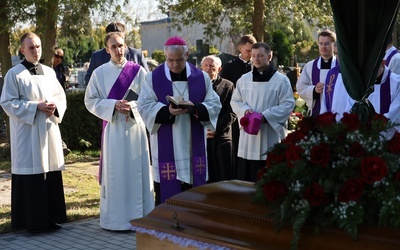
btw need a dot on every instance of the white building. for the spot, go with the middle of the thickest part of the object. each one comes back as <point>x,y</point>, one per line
<point>154,34</point>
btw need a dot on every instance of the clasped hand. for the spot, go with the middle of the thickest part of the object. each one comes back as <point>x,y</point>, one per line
<point>47,107</point>
<point>123,107</point>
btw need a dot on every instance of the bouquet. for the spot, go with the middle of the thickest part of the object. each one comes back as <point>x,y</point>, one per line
<point>300,110</point>
<point>326,174</point>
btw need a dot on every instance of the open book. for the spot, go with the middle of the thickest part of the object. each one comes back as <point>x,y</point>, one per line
<point>179,103</point>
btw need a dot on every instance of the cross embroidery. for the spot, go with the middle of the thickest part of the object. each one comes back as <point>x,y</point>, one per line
<point>168,171</point>
<point>200,165</point>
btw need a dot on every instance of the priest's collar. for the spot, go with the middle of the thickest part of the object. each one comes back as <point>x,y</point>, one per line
<point>245,61</point>
<point>263,76</point>
<point>33,69</point>
<point>178,77</point>
<point>326,64</point>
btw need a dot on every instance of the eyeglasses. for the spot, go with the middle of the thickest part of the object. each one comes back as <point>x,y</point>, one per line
<point>180,60</point>
<point>324,44</point>
<point>58,56</point>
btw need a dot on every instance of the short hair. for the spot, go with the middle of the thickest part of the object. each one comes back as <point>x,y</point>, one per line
<point>174,48</point>
<point>247,39</point>
<point>27,35</point>
<point>266,47</point>
<point>111,34</point>
<point>328,33</point>
<point>114,27</point>
<point>216,59</point>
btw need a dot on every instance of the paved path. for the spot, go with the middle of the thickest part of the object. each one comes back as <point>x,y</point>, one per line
<point>83,234</point>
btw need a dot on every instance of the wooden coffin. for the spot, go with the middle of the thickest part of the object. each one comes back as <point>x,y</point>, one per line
<point>223,216</point>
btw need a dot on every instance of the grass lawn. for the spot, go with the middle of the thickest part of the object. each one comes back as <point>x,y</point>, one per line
<point>82,194</point>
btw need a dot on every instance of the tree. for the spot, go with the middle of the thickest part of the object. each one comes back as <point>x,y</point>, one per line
<point>5,55</point>
<point>245,16</point>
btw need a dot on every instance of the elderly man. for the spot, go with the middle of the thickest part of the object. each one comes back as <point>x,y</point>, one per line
<point>35,103</point>
<point>219,142</point>
<point>178,136</point>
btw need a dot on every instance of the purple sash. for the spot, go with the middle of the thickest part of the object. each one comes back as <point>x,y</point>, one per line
<point>315,75</point>
<point>169,184</point>
<point>394,52</point>
<point>117,92</point>
<point>330,82</point>
<point>385,95</point>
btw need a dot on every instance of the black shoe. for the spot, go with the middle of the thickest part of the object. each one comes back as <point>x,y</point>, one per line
<point>55,226</point>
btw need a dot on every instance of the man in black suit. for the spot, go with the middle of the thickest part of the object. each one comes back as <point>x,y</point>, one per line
<point>99,57</point>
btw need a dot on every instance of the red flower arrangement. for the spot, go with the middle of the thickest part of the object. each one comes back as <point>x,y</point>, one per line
<point>334,174</point>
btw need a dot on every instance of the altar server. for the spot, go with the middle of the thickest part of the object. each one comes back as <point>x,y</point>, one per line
<point>35,102</point>
<point>265,91</point>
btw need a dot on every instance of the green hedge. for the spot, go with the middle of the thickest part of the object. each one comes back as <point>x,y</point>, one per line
<point>80,129</point>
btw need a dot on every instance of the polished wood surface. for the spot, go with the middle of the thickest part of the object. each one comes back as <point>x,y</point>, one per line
<point>224,214</point>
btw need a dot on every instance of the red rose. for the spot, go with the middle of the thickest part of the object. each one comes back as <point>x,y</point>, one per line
<point>373,169</point>
<point>294,137</point>
<point>326,119</point>
<point>307,124</point>
<point>350,121</point>
<point>394,144</point>
<point>356,150</point>
<point>293,153</point>
<point>274,158</point>
<point>351,190</point>
<point>315,195</point>
<point>274,190</point>
<point>244,121</point>
<point>320,155</point>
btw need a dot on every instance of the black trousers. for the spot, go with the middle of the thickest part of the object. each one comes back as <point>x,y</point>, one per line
<point>157,188</point>
<point>37,201</point>
<point>248,169</point>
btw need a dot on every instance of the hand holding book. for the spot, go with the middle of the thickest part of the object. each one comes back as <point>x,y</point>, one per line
<point>178,102</point>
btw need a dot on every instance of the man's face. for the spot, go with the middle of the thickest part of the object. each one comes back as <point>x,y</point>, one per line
<point>210,67</point>
<point>260,58</point>
<point>116,48</point>
<point>245,51</point>
<point>58,57</point>
<point>176,60</point>
<point>325,46</point>
<point>32,49</point>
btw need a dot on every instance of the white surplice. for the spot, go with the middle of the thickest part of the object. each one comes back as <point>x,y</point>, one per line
<point>374,98</point>
<point>394,64</point>
<point>149,106</point>
<point>36,145</point>
<point>304,85</point>
<point>274,99</point>
<point>126,187</point>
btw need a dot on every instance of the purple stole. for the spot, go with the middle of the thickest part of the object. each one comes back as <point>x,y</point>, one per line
<point>385,98</point>
<point>394,52</point>
<point>118,91</point>
<point>331,78</point>
<point>169,184</point>
<point>315,75</point>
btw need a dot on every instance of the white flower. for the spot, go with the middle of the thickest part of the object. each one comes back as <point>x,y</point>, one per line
<point>300,102</point>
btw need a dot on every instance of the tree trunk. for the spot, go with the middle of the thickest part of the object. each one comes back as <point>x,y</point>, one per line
<point>46,18</point>
<point>258,20</point>
<point>5,55</point>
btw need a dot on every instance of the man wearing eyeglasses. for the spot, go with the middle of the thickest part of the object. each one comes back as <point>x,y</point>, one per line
<point>312,78</point>
<point>178,135</point>
<point>59,67</point>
